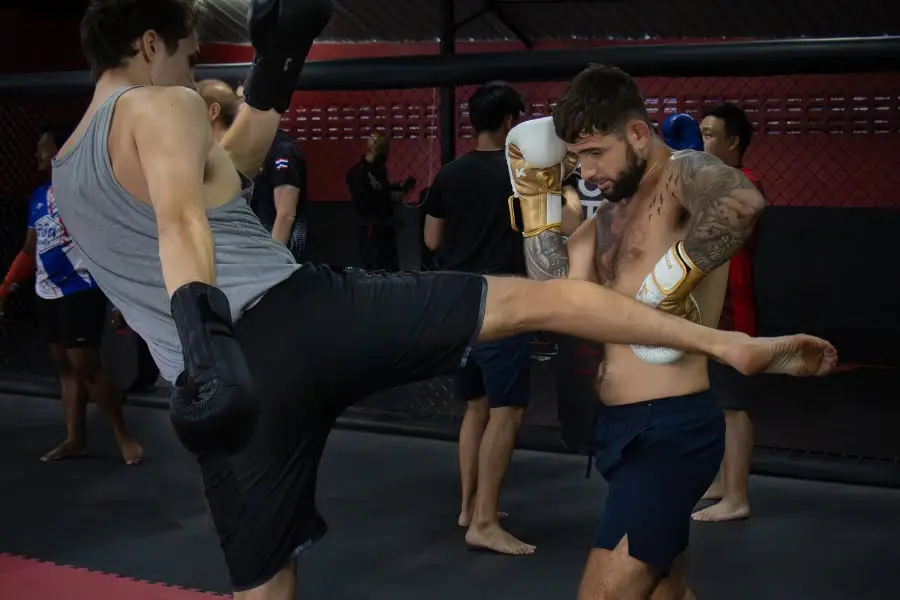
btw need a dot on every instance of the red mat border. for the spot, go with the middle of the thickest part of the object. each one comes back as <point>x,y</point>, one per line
<point>38,561</point>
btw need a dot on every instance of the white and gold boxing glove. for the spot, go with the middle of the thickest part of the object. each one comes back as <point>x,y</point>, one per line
<point>668,288</point>
<point>535,159</point>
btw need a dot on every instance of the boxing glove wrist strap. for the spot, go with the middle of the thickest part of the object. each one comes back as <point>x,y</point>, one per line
<point>673,278</point>
<point>200,311</point>
<point>537,217</point>
<point>270,83</point>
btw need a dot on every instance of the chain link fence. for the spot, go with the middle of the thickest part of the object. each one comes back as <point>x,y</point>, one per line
<point>21,119</point>
<point>820,141</point>
<point>332,128</point>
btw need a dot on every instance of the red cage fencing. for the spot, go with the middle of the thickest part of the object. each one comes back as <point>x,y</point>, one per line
<point>331,128</point>
<point>821,140</point>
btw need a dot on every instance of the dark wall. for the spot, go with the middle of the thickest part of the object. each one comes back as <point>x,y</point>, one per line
<point>333,229</point>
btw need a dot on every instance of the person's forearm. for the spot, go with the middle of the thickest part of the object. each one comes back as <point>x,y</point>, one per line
<point>250,137</point>
<point>546,256</point>
<point>187,254</point>
<point>281,229</point>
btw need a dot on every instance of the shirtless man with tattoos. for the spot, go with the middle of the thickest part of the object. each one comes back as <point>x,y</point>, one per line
<point>664,234</point>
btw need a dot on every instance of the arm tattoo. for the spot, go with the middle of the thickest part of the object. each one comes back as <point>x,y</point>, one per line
<point>546,256</point>
<point>723,207</point>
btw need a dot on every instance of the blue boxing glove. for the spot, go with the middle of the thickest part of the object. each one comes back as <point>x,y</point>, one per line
<point>682,132</point>
<point>282,33</point>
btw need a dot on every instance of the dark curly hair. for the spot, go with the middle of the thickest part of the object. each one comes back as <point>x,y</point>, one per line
<point>601,99</point>
<point>109,28</point>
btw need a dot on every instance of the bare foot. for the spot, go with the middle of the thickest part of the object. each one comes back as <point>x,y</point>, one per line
<point>465,518</point>
<point>495,538</point>
<point>723,511</point>
<point>132,453</point>
<point>715,491</point>
<point>798,355</point>
<point>68,449</point>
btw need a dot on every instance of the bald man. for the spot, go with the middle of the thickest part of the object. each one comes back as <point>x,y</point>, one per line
<point>222,104</point>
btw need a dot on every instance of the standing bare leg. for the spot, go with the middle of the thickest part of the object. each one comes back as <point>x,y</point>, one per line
<point>88,365</point>
<point>735,474</point>
<point>74,400</point>
<point>493,461</point>
<point>470,435</point>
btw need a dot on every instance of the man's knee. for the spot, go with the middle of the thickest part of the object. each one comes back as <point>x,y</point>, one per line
<point>673,587</point>
<point>86,362</point>
<point>61,360</point>
<point>615,575</point>
<point>508,415</point>
<point>282,586</point>
<point>477,407</point>
<point>736,418</point>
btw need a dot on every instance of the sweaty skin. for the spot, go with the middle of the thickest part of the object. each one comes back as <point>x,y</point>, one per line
<point>692,197</point>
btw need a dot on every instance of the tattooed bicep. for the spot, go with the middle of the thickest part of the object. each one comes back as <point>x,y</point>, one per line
<point>698,178</point>
<point>723,207</point>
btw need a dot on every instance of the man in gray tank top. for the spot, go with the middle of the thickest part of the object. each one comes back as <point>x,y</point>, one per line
<point>266,354</point>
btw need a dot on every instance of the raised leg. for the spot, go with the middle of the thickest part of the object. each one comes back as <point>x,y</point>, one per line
<point>589,311</point>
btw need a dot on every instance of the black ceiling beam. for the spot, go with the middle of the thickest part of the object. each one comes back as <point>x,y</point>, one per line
<point>508,23</point>
<point>472,18</point>
<point>51,8</point>
<point>780,57</point>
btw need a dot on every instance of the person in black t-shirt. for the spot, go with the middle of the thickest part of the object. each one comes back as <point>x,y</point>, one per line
<point>468,228</point>
<point>374,196</point>
<point>279,194</point>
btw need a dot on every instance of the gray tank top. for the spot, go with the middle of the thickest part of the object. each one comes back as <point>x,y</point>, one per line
<point>117,236</point>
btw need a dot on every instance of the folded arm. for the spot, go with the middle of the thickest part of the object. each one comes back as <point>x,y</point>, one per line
<point>546,256</point>
<point>723,206</point>
<point>549,256</point>
<point>173,140</point>
<point>250,137</point>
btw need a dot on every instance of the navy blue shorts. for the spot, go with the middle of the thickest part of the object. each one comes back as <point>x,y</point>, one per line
<point>658,458</point>
<point>500,370</point>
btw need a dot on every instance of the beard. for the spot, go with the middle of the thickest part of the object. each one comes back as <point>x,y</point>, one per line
<point>626,184</point>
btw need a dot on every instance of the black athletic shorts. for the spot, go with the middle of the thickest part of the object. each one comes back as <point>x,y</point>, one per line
<point>315,344</point>
<point>658,458</point>
<point>73,321</point>
<point>731,388</point>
